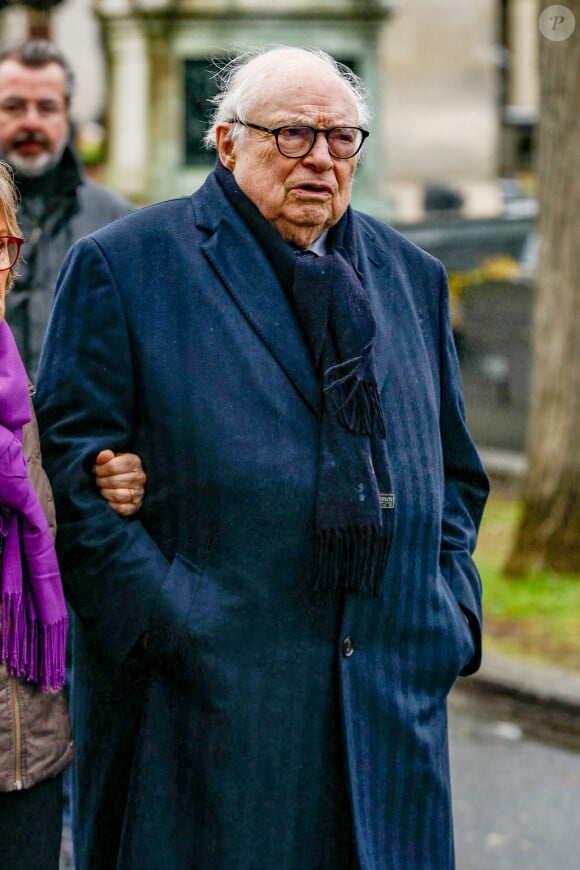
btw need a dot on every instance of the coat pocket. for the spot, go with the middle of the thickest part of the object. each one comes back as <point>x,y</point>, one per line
<point>459,626</point>
<point>167,653</point>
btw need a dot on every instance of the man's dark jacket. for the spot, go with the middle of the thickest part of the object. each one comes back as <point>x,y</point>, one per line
<point>54,211</point>
<point>257,710</point>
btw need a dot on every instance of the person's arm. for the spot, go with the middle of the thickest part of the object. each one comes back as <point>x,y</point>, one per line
<point>121,480</point>
<point>86,402</point>
<point>466,486</point>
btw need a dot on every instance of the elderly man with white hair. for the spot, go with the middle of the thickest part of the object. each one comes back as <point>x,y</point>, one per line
<point>297,595</point>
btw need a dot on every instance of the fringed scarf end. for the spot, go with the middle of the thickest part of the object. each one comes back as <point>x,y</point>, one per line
<point>360,411</point>
<point>48,656</point>
<point>350,560</point>
<point>36,653</point>
<point>14,634</point>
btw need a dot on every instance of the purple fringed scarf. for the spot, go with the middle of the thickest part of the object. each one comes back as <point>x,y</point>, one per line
<point>34,617</point>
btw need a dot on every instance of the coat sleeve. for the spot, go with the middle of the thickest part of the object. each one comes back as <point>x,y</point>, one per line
<point>112,569</point>
<point>466,486</point>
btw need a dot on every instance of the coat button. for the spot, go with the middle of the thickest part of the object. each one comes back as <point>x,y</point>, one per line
<point>347,647</point>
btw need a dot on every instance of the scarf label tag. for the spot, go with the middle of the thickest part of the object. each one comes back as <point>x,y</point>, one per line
<point>387,501</point>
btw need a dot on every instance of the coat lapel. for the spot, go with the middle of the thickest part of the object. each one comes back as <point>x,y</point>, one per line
<point>375,264</point>
<point>248,276</point>
<point>245,271</point>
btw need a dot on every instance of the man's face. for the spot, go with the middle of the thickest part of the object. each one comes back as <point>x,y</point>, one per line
<point>300,197</point>
<point>34,124</point>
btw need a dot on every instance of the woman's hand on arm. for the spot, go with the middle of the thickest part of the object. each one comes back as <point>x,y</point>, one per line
<point>121,480</point>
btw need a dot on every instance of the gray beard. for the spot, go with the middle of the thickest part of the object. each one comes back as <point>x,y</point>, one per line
<point>36,166</point>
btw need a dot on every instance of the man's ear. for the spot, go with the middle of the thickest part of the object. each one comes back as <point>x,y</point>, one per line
<point>225,146</point>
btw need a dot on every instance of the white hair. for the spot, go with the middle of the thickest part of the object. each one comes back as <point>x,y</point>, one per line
<point>242,79</point>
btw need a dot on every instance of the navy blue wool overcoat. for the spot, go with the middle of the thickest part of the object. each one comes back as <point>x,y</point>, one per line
<point>231,743</point>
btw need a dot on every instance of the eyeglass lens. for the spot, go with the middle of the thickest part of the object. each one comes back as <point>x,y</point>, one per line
<point>296,141</point>
<point>8,252</point>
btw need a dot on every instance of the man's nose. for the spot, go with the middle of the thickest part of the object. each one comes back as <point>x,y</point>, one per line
<point>31,115</point>
<point>319,154</point>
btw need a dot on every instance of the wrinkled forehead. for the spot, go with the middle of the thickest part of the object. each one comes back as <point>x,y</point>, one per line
<point>298,86</point>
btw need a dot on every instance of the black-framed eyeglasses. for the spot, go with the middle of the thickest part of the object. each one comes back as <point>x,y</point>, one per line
<point>9,251</point>
<point>297,140</point>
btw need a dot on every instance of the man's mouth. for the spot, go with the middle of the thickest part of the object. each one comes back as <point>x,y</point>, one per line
<point>316,189</point>
<point>30,143</point>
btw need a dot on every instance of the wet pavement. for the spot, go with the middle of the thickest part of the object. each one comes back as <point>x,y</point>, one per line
<point>515,795</point>
<point>543,699</point>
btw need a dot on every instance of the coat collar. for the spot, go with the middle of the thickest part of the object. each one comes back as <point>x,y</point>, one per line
<point>249,278</point>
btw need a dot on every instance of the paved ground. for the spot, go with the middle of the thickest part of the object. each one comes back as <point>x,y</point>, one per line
<point>518,677</point>
<point>515,797</point>
<point>544,699</point>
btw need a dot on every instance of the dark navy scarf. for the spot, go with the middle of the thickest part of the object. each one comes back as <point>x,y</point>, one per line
<point>354,516</point>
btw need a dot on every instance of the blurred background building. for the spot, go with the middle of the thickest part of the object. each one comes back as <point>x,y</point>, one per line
<point>451,161</point>
<point>453,88</point>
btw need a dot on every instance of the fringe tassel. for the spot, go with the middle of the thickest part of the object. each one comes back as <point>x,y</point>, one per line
<point>30,651</point>
<point>50,652</point>
<point>350,560</point>
<point>358,410</point>
<point>362,414</point>
<point>46,655</point>
<point>14,634</point>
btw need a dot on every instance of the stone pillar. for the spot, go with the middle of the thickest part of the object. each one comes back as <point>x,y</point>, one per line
<point>128,109</point>
<point>523,90</point>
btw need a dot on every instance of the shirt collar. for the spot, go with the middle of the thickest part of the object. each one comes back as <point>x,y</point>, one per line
<point>320,246</point>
